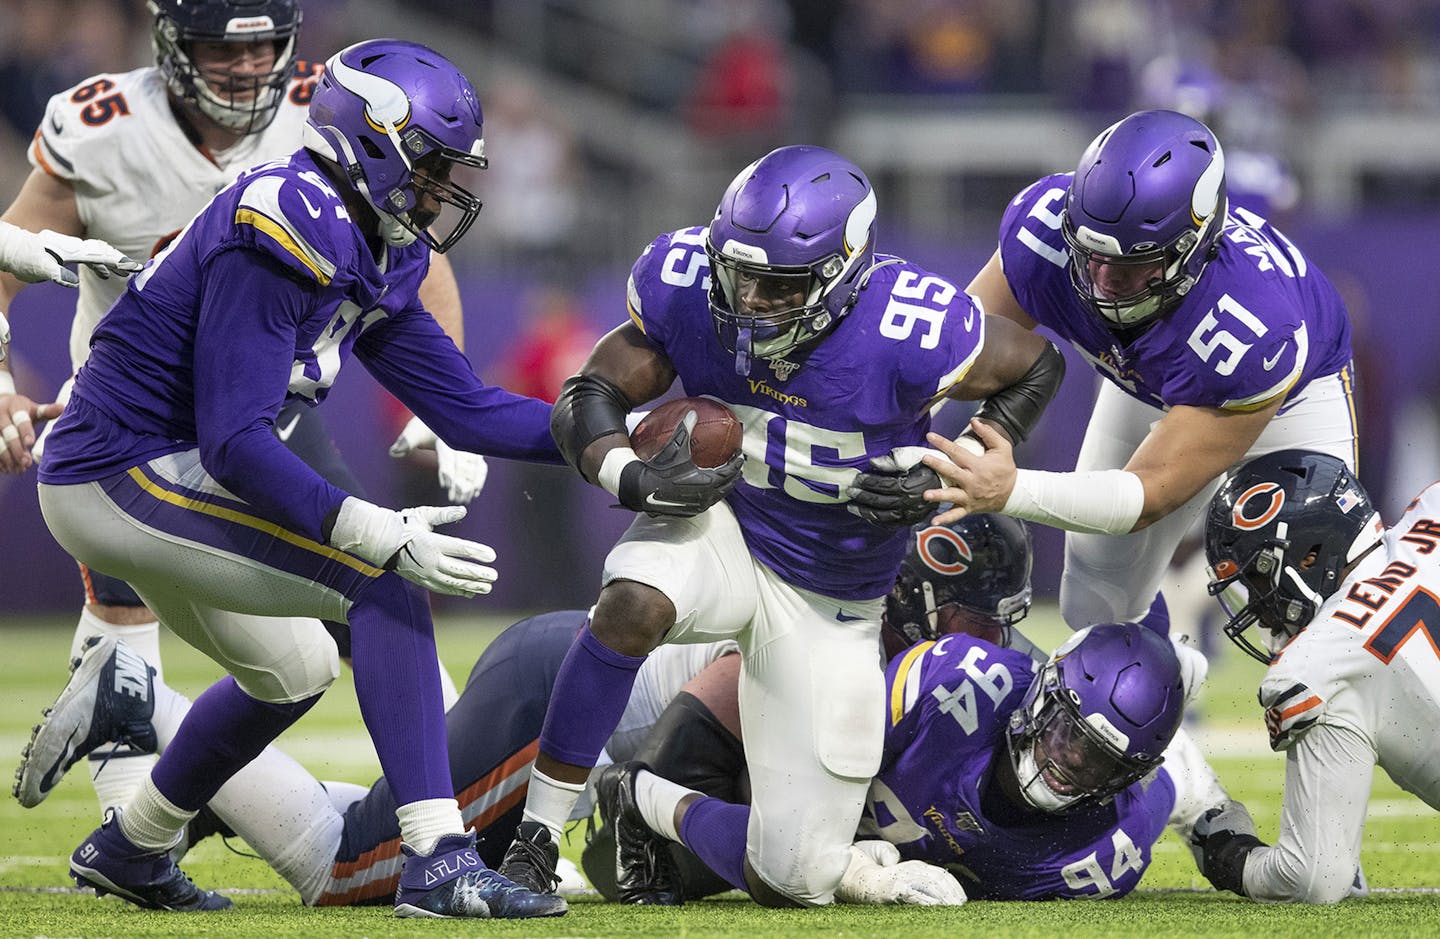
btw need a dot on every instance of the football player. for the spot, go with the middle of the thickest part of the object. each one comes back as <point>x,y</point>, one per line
<point>1217,338</point>
<point>1023,781</point>
<point>831,355</point>
<point>338,844</point>
<point>939,597</point>
<point>225,94</point>
<point>164,469</point>
<point>1344,612</point>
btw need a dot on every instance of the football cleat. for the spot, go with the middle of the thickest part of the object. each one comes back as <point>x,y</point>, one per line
<point>109,698</point>
<point>451,881</point>
<point>645,871</point>
<point>532,858</point>
<point>110,863</point>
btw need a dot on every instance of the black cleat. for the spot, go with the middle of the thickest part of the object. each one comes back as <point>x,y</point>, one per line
<point>531,859</point>
<point>645,871</point>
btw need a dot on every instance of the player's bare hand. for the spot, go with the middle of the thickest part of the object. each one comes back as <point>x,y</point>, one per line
<point>18,417</point>
<point>972,483</point>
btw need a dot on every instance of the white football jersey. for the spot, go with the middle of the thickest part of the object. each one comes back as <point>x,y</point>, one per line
<point>1370,660</point>
<point>138,178</point>
<point>1357,688</point>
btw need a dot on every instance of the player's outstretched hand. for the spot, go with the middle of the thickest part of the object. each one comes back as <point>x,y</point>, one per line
<point>1221,839</point>
<point>406,543</point>
<point>38,256</point>
<point>462,474</point>
<point>18,417</point>
<point>972,482</point>
<point>670,483</point>
<point>876,875</point>
<point>892,494</point>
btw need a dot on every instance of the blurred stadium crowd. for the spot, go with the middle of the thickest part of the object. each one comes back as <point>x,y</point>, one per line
<point>610,120</point>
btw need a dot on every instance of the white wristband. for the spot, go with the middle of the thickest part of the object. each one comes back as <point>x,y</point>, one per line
<point>1099,502</point>
<point>610,468</point>
<point>7,383</point>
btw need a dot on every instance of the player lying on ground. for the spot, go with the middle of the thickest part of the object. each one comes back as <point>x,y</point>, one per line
<point>1021,790</point>
<point>1347,619</point>
<point>164,469</point>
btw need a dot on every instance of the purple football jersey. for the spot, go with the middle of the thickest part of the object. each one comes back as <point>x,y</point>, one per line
<point>259,299</point>
<point>813,422</point>
<point>1261,321</point>
<point>935,798</point>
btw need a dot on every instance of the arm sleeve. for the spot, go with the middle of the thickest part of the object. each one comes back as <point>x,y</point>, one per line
<point>416,362</point>
<point>1327,786</point>
<point>244,346</point>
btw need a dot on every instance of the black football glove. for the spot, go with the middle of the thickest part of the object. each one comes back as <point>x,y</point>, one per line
<point>669,483</point>
<point>1221,840</point>
<point>894,500</point>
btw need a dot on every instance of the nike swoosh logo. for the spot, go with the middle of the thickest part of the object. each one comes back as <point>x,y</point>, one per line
<point>969,318</point>
<point>314,212</point>
<point>284,432</point>
<point>844,617</point>
<point>662,503</point>
<point>47,782</point>
<point>1270,362</point>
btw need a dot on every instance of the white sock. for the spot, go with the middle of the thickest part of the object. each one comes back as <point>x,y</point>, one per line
<point>550,801</point>
<point>117,778</point>
<point>152,821</point>
<point>425,822</point>
<point>144,638</point>
<point>448,692</point>
<point>657,799</point>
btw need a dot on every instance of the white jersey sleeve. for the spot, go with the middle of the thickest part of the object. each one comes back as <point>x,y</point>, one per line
<point>138,177</point>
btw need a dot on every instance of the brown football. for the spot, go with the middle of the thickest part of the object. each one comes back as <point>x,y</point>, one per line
<point>715,438</point>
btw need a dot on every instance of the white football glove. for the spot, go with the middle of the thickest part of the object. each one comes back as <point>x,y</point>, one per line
<point>4,337</point>
<point>1194,666</point>
<point>462,474</point>
<point>405,543</point>
<point>876,875</point>
<point>36,256</point>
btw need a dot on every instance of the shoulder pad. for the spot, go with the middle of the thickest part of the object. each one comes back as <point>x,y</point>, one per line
<point>673,261</point>
<point>300,220</point>
<point>83,118</point>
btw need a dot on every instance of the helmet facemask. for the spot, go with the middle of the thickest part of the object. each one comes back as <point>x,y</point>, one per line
<point>241,103</point>
<point>1064,760</point>
<point>440,208</point>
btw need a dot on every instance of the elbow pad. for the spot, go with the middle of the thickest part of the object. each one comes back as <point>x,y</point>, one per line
<point>1016,409</point>
<point>589,407</point>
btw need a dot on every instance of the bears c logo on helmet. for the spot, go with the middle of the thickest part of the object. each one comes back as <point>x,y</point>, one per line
<point>934,537</point>
<point>1246,519</point>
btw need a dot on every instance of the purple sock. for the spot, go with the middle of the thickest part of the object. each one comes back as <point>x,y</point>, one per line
<point>397,683</point>
<point>591,691</point>
<point>1157,617</point>
<point>225,729</point>
<point>715,831</point>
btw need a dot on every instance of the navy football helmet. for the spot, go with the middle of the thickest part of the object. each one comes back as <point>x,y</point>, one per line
<point>1097,717</point>
<point>971,576</point>
<point>401,120</point>
<point>241,103</point>
<point>1144,215</point>
<point>789,245</point>
<point>1278,534</point>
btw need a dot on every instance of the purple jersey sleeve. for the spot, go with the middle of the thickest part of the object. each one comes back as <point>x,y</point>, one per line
<point>240,385</point>
<point>413,358</point>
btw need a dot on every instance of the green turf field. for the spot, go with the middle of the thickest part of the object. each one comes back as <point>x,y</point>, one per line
<point>1402,842</point>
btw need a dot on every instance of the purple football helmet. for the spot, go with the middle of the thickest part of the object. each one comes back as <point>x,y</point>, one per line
<point>1262,525</point>
<point>1097,717</point>
<point>241,103</point>
<point>971,576</point>
<point>399,119</point>
<point>790,243</point>
<point>1144,215</point>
